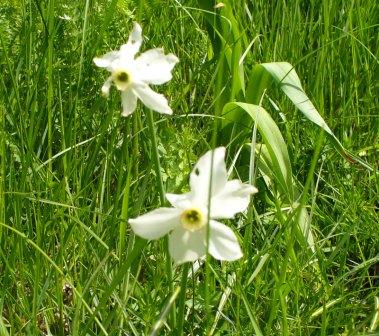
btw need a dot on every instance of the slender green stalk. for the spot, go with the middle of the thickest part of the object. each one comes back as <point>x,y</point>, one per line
<point>208,307</point>
<point>125,197</point>
<point>207,281</point>
<point>50,87</point>
<point>182,299</point>
<point>161,192</point>
<point>135,142</point>
<point>169,306</point>
<point>75,137</point>
<point>155,155</point>
<point>124,218</point>
<point>124,213</point>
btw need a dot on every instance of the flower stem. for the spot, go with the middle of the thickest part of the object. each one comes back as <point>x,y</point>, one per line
<point>182,298</point>
<point>208,308</point>
<point>135,142</point>
<point>125,198</point>
<point>157,166</point>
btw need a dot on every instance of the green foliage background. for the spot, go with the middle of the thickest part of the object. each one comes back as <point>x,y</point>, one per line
<point>68,158</point>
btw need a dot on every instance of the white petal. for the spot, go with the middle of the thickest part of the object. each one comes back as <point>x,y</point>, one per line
<point>185,245</point>
<point>106,86</point>
<point>155,67</point>
<point>106,60</point>
<point>129,102</point>
<point>130,49</point>
<point>200,178</point>
<point>234,198</point>
<point>223,243</point>
<point>182,201</point>
<point>156,223</point>
<point>152,99</point>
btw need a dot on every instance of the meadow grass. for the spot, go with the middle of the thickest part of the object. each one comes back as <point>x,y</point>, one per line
<point>73,170</point>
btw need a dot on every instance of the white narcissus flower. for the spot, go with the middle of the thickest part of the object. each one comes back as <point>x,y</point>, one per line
<point>133,75</point>
<point>186,221</point>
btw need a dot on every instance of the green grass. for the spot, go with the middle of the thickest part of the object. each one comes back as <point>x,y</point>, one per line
<point>73,170</point>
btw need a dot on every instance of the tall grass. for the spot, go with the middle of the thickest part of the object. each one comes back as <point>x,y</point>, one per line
<point>73,170</point>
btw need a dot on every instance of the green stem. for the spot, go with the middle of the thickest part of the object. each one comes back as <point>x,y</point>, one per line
<point>122,250</point>
<point>157,166</point>
<point>208,257</point>
<point>182,298</point>
<point>135,143</point>
<point>155,155</point>
<point>125,197</point>
<point>207,262</point>
<point>50,89</point>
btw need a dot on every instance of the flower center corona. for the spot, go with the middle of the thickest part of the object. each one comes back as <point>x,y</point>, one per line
<point>192,219</point>
<point>122,79</point>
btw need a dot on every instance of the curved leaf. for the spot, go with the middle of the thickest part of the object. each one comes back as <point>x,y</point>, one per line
<point>285,76</point>
<point>273,140</point>
<point>288,80</point>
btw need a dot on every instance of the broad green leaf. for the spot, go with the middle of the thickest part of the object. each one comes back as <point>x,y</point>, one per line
<point>273,140</point>
<point>226,38</point>
<point>304,226</point>
<point>259,81</point>
<point>285,76</point>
